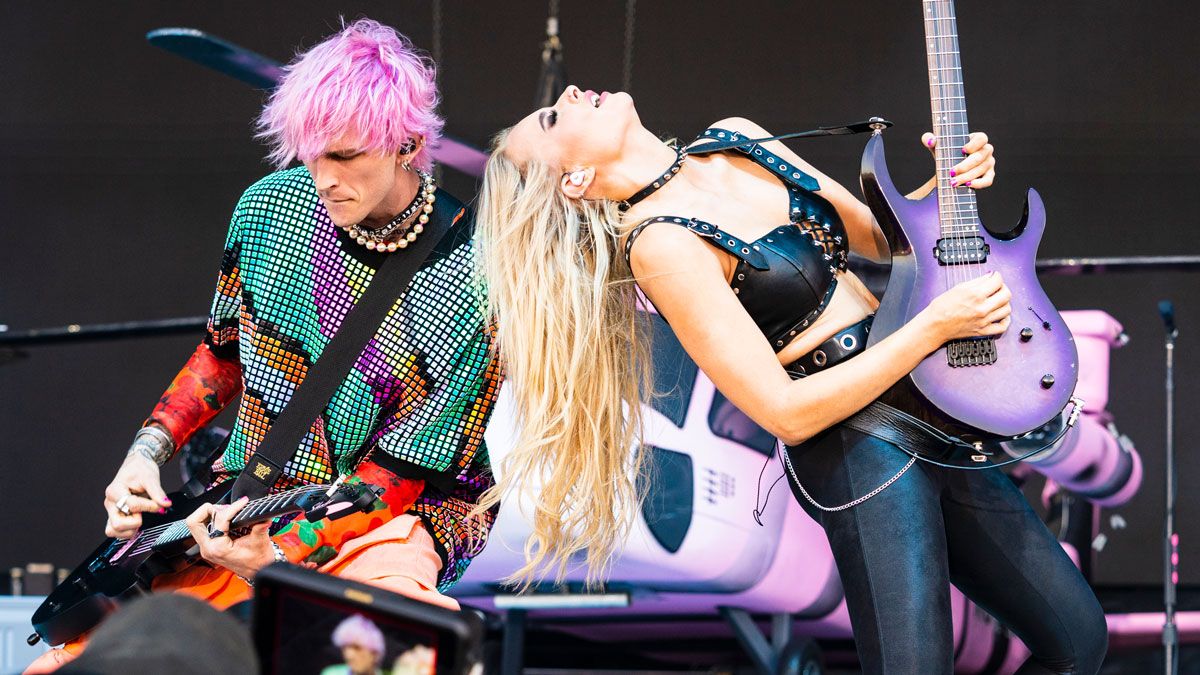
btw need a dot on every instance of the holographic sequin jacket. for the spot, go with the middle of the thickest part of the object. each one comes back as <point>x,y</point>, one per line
<point>421,392</point>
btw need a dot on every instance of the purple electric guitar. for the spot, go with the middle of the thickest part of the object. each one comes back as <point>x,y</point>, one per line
<point>999,387</point>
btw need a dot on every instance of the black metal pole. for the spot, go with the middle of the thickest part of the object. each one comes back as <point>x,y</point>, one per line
<point>512,655</point>
<point>1170,536</point>
<point>103,331</point>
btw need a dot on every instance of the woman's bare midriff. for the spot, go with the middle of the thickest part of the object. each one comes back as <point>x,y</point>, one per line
<point>851,303</point>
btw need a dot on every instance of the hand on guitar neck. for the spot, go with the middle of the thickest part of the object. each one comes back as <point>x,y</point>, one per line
<point>137,488</point>
<point>212,527</point>
<point>977,170</point>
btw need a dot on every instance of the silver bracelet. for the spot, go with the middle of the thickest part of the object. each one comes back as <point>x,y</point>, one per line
<point>280,557</point>
<point>154,444</point>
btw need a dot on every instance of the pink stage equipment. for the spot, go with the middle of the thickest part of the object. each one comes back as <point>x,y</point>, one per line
<point>1145,629</point>
<point>696,549</point>
<point>1093,459</point>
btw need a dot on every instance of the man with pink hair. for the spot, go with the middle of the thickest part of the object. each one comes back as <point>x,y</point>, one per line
<point>362,646</point>
<point>358,111</point>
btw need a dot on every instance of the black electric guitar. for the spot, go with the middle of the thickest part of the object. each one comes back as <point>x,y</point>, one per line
<point>122,569</point>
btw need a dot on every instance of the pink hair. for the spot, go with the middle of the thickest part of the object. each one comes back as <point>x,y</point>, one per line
<point>367,81</point>
<point>359,630</point>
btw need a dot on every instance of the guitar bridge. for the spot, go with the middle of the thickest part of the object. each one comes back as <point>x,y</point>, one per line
<point>973,352</point>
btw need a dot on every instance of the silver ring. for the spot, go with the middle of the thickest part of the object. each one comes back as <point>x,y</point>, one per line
<point>123,507</point>
<point>214,533</point>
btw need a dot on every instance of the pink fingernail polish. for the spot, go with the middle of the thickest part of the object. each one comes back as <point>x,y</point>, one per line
<point>162,510</point>
<point>968,183</point>
<point>929,142</point>
<point>964,151</point>
<point>953,173</point>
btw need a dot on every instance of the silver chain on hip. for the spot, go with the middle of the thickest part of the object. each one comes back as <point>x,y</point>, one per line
<point>787,461</point>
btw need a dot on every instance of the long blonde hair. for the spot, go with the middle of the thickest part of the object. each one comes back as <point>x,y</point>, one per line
<point>576,353</point>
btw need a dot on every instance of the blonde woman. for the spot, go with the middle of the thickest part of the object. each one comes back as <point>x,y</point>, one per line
<point>747,263</point>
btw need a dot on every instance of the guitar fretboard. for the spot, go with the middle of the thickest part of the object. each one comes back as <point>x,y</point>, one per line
<point>956,205</point>
<point>256,511</point>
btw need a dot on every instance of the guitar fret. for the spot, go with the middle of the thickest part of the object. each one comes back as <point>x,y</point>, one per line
<point>176,531</point>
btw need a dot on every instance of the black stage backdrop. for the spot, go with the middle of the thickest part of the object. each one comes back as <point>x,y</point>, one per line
<point>119,164</point>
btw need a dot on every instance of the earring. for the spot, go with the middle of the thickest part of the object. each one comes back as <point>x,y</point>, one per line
<point>577,177</point>
<point>406,166</point>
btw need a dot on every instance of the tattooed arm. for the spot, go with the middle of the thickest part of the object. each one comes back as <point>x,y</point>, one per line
<point>209,381</point>
<point>202,389</point>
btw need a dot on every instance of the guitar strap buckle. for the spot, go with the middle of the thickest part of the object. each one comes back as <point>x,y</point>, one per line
<point>262,470</point>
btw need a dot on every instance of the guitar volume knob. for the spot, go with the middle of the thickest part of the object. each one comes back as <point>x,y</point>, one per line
<point>1047,381</point>
<point>1026,334</point>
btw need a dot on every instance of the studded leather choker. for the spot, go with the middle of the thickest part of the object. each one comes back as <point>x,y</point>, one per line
<point>681,154</point>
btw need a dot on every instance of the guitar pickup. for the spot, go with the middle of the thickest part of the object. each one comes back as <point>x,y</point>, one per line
<point>961,250</point>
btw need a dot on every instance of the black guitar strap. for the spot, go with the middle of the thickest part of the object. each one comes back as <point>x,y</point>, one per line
<point>738,140</point>
<point>390,282</point>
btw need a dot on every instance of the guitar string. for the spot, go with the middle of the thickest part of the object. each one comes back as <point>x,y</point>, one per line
<point>946,117</point>
<point>963,194</point>
<point>976,357</point>
<point>940,93</point>
<point>957,211</point>
<point>935,94</point>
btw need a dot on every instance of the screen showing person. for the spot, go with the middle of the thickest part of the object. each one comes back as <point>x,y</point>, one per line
<point>362,647</point>
<point>308,623</point>
<point>317,637</point>
<point>419,660</point>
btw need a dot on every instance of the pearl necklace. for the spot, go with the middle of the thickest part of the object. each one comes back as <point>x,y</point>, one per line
<point>376,240</point>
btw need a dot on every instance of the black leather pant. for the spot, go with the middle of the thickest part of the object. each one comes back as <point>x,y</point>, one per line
<point>898,552</point>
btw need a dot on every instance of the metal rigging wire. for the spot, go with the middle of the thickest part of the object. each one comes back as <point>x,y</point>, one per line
<point>627,71</point>
<point>553,78</point>
<point>436,43</point>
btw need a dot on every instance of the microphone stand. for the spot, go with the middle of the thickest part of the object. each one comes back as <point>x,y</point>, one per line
<point>1170,536</point>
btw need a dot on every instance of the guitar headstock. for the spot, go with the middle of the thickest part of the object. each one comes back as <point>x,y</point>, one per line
<point>343,501</point>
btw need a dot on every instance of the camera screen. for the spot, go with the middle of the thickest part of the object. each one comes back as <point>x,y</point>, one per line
<point>314,635</point>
